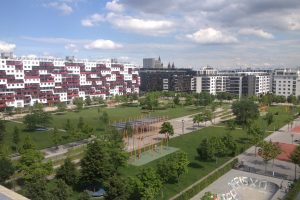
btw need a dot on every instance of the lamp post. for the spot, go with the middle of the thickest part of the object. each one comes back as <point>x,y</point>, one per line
<point>182,126</point>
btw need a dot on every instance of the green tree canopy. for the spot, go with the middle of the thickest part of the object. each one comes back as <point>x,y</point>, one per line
<point>37,118</point>
<point>245,110</point>
<point>68,173</point>
<point>6,169</point>
<point>148,184</point>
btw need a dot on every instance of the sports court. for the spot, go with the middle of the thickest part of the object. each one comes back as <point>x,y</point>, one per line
<point>286,149</point>
<point>150,155</point>
<point>296,129</point>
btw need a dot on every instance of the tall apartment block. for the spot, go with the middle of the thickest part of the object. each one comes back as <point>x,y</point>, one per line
<point>167,79</point>
<point>24,81</point>
<point>238,82</point>
<point>286,82</point>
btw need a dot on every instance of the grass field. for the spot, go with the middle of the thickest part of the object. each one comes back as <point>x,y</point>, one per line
<point>197,168</point>
<point>42,139</point>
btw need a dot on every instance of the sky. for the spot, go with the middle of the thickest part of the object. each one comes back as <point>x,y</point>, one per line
<point>190,33</point>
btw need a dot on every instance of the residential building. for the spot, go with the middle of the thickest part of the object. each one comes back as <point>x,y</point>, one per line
<point>165,79</point>
<point>24,81</point>
<point>238,82</point>
<point>286,82</point>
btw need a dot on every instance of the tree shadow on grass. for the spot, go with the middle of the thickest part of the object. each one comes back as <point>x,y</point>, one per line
<point>195,165</point>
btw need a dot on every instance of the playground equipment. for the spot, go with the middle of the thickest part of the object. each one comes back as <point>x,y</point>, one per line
<point>139,134</point>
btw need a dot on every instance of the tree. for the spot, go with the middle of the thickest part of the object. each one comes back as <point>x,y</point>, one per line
<point>36,189</point>
<point>219,147</point>
<point>149,184</point>
<point>117,187</point>
<point>28,144</point>
<point>203,99</point>
<point>68,125</point>
<point>151,101</point>
<point>61,107</point>
<point>16,137</point>
<point>230,125</point>
<point>56,139</point>
<point>37,118</point>
<point>167,129</point>
<point>207,114</point>
<point>32,166</point>
<point>176,100</point>
<point>60,190</point>
<point>189,100</point>
<point>80,123</point>
<point>6,169</point>
<point>88,100</point>
<point>68,172</point>
<point>295,158</point>
<point>199,118</point>
<point>269,118</point>
<point>268,151</point>
<point>205,150</point>
<point>2,130</point>
<point>245,110</point>
<point>172,168</point>
<point>95,165</point>
<point>105,118</point>
<point>78,102</point>
<point>256,132</point>
<point>230,144</point>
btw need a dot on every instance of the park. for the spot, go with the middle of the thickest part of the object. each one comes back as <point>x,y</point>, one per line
<point>147,141</point>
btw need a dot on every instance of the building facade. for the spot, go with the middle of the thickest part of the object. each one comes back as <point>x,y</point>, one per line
<point>286,82</point>
<point>152,63</point>
<point>24,81</point>
<point>164,79</point>
<point>238,82</point>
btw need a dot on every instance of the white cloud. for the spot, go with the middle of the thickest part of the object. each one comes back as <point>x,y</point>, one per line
<point>63,7</point>
<point>72,47</point>
<point>256,32</point>
<point>114,6</point>
<point>6,47</point>
<point>103,44</point>
<point>293,22</point>
<point>211,36</point>
<point>144,26</point>
<point>92,20</point>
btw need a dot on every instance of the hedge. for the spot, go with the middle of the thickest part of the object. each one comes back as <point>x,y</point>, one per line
<point>292,194</point>
<point>206,182</point>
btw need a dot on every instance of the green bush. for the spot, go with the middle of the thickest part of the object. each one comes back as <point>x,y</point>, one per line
<point>210,179</point>
<point>292,194</point>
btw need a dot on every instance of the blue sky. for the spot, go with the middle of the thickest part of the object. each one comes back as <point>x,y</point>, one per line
<point>219,33</point>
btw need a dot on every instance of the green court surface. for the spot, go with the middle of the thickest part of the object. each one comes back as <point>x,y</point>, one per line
<point>151,155</point>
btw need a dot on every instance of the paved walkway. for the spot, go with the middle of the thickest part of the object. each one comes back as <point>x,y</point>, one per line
<point>255,163</point>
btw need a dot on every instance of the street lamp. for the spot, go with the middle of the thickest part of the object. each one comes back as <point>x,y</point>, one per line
<point>182,126</point>
<point>292,135</point>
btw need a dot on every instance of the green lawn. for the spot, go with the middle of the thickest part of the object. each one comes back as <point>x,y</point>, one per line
<point>120,113</point>
<point>197,168</point>
<point>189,144</point>
<point>42,139</point>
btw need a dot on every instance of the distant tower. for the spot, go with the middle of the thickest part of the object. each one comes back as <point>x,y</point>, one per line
<point>173,66</point>
<point>159,59</point>
<point>169,65</point>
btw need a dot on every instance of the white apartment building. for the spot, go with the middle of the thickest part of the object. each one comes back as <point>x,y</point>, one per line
<point>286,82</point>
